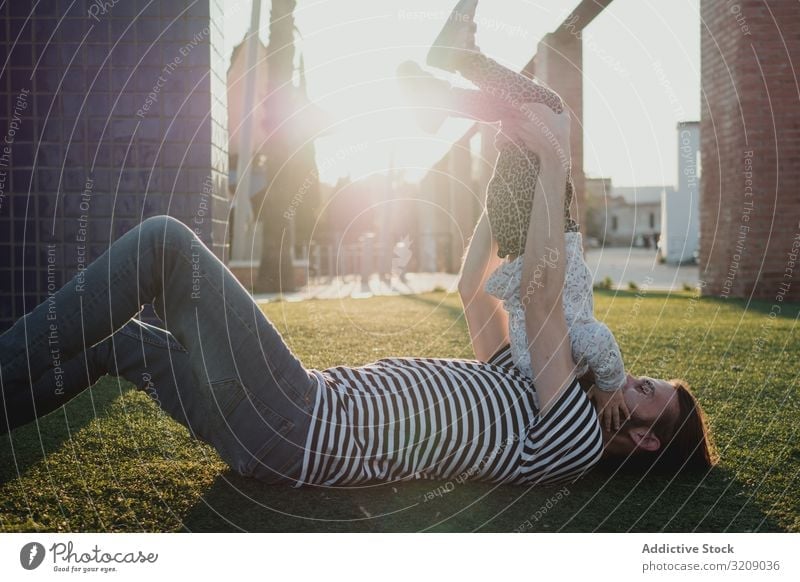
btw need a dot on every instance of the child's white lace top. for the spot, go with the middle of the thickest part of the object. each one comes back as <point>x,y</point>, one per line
<point>593,344</point>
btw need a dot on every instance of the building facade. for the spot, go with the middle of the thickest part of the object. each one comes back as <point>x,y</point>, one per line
<point>680,207</point>
<point>112,113</point>
<point>623,216</point>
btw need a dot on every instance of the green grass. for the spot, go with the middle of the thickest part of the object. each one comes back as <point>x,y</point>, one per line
<point>111,461</point>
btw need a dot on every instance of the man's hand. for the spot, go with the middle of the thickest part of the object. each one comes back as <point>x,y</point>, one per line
<point>549,132</point>
<point>610,407</point>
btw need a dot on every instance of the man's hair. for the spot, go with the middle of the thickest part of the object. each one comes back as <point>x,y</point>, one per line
<point>686,444</point>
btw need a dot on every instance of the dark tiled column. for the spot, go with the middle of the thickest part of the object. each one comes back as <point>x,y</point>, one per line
<point>111,112</point>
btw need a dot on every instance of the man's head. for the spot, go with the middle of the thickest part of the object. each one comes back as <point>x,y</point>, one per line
<point>666,432</point>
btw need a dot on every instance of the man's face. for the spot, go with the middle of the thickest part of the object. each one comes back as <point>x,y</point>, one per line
<point>647,399</point>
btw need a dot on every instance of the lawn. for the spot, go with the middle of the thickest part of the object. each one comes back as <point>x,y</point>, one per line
<point>111,461</point>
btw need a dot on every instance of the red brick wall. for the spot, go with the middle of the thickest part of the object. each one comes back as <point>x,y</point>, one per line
<point>750,122</point>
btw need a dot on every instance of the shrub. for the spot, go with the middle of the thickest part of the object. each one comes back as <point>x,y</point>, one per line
<point>606,283</point>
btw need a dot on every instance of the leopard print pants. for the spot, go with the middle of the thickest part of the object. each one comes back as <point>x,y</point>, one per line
<point>509,199</point>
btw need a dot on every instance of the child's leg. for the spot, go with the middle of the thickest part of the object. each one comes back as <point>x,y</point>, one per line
<point>425,90</point>
<point>501,93</point>
<point>481,105</point>
<point>474,104</point>
<point>509,88</point>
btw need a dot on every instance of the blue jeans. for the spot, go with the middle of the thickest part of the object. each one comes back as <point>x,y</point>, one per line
<point>220,367</point>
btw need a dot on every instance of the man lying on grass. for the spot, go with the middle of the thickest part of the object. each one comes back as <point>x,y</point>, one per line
<point>220,368</point>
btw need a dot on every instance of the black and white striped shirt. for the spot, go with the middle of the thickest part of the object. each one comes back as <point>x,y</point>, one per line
<point>440,418</point>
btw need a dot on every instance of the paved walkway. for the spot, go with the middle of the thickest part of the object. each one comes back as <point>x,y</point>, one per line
<point>350,286</point>
<point>621,264</point>
<point>640,266</point>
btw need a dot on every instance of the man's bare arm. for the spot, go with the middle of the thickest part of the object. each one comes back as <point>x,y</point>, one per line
<point>545,262</point>
<point>486,317</point>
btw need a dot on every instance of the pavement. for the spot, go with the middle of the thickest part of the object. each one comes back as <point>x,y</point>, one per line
<point>351,286</point>
<point>622,265</point>
<point>639,265</point>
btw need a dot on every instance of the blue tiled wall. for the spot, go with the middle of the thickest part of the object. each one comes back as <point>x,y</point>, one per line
<point>86,152</point>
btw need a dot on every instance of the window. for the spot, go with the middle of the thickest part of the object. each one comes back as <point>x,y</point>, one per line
<point>614,223</point>
<point>652,220</point>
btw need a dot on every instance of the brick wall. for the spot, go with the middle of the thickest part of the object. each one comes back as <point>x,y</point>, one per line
<point>91,151</point>
<point>750,149</point>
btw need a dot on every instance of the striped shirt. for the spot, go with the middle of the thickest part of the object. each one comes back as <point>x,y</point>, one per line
<point>443,418</point>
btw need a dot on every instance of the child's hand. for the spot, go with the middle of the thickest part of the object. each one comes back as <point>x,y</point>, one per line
<point>550,134</point>
<point>610,406</point>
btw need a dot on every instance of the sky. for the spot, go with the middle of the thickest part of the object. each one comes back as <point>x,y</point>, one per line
<point>641,65</point>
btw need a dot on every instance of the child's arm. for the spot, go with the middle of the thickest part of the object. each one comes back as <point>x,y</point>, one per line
<point>595,344</point>
<point>592,341</point>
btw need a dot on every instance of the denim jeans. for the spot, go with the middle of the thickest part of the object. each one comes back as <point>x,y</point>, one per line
<point>220,367</point>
